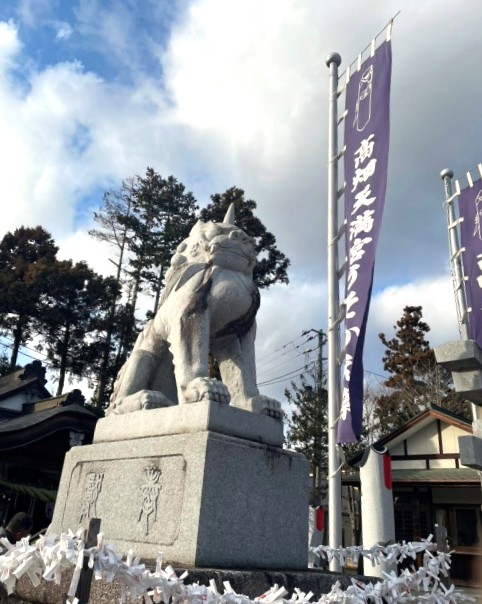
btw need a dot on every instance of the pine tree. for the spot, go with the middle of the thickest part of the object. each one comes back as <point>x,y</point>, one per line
<point>26,255</point>
<point>144,221</point>
<point>308,424</point>
<point>5,364</point>
<point>162,215</point>
<point>272,265</point>
<point>114,228</point>
<point>72,318</point>
<point>415,381</point>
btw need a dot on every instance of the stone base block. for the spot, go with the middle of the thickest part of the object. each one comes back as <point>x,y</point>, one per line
<point>459,355</point>
<point>464,359</point>
<point>251,583</point>
<point>471,451</point>
<point>469,385</point>
<point>202,499</point>
<point>477,428</point>
<point>194,417</point>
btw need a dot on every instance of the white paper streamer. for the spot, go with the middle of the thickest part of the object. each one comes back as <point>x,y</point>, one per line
<point>49,556</point>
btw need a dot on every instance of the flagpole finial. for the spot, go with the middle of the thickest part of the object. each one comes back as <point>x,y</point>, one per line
<point>333,57</point>
<point>446,174</point>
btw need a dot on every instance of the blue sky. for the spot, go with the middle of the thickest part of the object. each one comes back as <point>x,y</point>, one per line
<point>234,92</point>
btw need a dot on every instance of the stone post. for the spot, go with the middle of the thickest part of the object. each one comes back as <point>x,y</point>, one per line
<point>378,523</point>
<point>464,359</point>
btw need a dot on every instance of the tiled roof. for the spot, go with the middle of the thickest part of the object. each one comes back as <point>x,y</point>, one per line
<point>31,374</point>
<point>23,429</point>
<point>433,476</point>
<point>21,422</point>
<point>431,413</point>
<point>69,398</point>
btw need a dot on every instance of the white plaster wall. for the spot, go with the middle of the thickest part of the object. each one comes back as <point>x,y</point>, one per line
<point>14,403</point>
<point>408,464</point>
<point>424,442</point>
<point>398,450</point>
<point>450,435</point>
<point>442,463</point>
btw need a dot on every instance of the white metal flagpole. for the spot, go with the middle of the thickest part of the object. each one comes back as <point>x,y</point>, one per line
<point>455,260</point>
<point>334,478</point>
<point>456,266</point>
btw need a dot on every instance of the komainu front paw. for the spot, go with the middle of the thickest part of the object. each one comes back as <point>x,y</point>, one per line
<point>204,388</point>
<point>265,406</point>
<point>144,399</point>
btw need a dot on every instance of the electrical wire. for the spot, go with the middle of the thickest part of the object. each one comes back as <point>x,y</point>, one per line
<point>287,376</point>
<point>270,369</point>
<point>281,347</point>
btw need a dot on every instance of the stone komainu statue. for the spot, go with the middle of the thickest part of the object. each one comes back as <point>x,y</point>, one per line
<point>209,305</point>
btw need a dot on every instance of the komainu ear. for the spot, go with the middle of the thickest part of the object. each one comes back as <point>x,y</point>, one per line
<point>230,215</point>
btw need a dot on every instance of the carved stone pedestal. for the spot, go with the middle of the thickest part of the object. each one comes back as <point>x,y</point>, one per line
<point>197,494</point>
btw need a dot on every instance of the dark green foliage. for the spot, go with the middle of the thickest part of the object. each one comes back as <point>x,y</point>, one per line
<point>86,324</point>
<point>162,216</point>
<point>5,364</point>
<point>145,221</point>
<point>113,221</point>
<point>272,264</point>
<point>308,428</point>
<point>114,229</point>
<point>415,381</point>
<point>26,256</point>
<point>73,318</point>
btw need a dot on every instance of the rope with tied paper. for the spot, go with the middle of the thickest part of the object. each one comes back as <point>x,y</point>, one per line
<point>50,556</point>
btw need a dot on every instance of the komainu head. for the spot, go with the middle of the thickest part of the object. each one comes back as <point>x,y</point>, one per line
<point>219,244</point>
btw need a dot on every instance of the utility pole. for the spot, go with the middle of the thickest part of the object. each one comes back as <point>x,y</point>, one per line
<point>322,338</point>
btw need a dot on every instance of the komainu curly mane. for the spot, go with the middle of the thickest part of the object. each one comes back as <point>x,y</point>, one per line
<point>209,305</point>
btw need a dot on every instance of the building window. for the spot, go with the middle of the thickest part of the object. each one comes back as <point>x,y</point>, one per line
<point>467,522</point>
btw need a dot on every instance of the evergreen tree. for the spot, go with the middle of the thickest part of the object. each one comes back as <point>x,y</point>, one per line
<point>308,424</point>
<point>114,229</point>
<point>308,428</point>
<point>272,265</point>
<point>113,352</point>
<point>162,216</point>
<point>26,256</point>
<point>145,221</point>
<point>5,364</point>
<point>114,224</point>
<point>73,316</point>
<point>415,381</point>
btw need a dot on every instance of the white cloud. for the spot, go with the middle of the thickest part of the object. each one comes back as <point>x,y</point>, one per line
<point>243,101</point>
<point>67,133</point>
<point>63,31</point>
<point>435,295</point>
<point>81,246</point>
<point>31,12</point>
<point>10,45</point>
<point>286,312</point>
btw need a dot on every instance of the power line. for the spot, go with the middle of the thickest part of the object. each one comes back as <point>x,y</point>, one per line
<point>293,348</point>
<point>286,376</point>
<point>281,347</point>
<point>270,369</point>
<point>266,362</point>
<point>25,354</point>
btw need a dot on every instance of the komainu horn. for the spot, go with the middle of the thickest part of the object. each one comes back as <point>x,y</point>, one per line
<point>209,304</point>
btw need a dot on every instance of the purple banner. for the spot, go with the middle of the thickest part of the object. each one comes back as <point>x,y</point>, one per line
<point>470,206</point>
<point>367,129</point>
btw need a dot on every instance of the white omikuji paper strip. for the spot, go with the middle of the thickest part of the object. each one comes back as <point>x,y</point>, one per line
<point>50,556</point>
